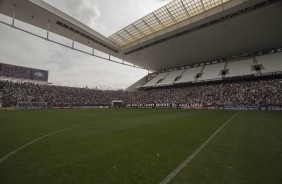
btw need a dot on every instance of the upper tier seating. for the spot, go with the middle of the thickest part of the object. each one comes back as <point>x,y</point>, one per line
<point>270,62</point>
<point>240,68</point>
<point>156,79</point>
<point>170,78</point>
<point>212,71</point>
<point>189,75</point>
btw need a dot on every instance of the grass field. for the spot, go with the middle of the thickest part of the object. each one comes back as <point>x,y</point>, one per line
<point>139,146</point>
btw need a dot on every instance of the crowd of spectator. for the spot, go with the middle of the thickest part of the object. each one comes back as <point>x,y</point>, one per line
<point>261,92</point>
<point>248,92</point>
<point>14,71</point>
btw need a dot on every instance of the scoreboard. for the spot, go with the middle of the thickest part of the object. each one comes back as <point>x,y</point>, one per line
<point>41,75</point>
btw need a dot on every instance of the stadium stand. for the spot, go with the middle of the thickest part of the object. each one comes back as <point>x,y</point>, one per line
<point>244,92</point>
<point>270,63</point>
<point>212,71</point>
<point>189,75</point>
<point>240,68</point>
<point>157,79</point>
<point>170,78</point>
<point>14,71</point>
<point>196,86</point>
<point>19,73</point>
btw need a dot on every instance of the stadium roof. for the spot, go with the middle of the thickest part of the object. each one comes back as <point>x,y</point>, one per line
<point>181,33</point>
<point>166,16</point>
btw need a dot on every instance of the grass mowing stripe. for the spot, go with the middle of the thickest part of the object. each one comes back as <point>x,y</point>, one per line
<point>56,132</point>
<point>195,153</point>
<point>50,134</point>
<point>47,135</point>
<point>42,137</point>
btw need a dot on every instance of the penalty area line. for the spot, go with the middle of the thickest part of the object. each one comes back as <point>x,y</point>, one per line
<point>181,166</point>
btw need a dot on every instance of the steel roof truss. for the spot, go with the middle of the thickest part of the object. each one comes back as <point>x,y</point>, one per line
<point>148,25</point>
<point>186,11</point>
<point>171,16</point>
<point>131,35</point>
<point>158,20</point>
<point>143,34</point>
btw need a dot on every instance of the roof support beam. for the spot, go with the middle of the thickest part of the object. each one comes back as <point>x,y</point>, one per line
<point>203,6</point>
<point>69,47</point>
<point>158,20</point>
<point>222,5</point>
<point>148,26</point>
<point>186,11</point>
<point>170,14</point>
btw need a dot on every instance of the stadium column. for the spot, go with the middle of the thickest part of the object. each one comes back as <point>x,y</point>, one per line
<point>48,27</point>
<point>14,15</point>
<point>93,49</point>
<point>123,59</point>
<point>73,39</point>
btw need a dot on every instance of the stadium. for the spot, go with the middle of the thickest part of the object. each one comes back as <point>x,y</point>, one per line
<point>208,109</point>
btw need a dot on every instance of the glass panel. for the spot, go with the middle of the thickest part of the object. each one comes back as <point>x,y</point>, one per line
<point>209,4</point>
<point>142,27</point>
<point>177,10</point>
<point>133,32</point>
<point>164,17</point>
<point>152,22</point>
<point>194,7</point>
<point>174,12</point>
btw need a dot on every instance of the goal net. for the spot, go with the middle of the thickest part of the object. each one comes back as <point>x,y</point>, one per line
<point>116,104</point>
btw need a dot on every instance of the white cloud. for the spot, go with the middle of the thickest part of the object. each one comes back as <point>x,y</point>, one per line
<point>68,67</point>
<point>84,11</point>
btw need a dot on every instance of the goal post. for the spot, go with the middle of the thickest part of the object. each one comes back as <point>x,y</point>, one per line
<point>31,105</point>
<point>116,104</point>
<point>1,95</point>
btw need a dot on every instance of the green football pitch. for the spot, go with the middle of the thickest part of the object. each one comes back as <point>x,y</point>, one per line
<point>131,146</point>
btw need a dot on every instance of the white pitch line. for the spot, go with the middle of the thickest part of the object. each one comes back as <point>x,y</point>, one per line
<point>194,154</point>
<point>56,132</point>
<point>42,137</point>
